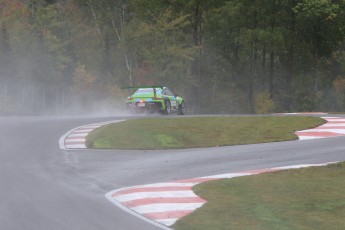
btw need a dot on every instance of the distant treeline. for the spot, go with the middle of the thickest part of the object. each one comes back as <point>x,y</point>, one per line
<point>223,56</point>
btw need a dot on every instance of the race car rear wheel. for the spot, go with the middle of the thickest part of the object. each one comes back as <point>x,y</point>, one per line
<point>167,107</point>
<point>182,110</point>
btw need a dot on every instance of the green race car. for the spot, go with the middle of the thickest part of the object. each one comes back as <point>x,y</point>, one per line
<point>155,98</point>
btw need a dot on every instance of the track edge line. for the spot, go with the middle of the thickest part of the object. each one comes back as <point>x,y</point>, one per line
<point>133,213</point>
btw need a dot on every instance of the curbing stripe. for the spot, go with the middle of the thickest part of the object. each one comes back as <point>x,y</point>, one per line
<point>75,138</point>
<point>155,189</point>
<point>334,127</point>
<point>75,146</point>
<point>142,195</point>
<point>162,200</point>
<point>173,216</point>
<point>167,222</point>
<point>166,207</point>
<point>133,213</point>
<point>162,204</point>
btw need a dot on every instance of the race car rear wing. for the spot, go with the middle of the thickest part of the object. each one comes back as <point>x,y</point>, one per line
<point>143,87</point>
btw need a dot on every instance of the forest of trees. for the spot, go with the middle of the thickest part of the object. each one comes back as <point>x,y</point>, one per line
<point>222,56</point>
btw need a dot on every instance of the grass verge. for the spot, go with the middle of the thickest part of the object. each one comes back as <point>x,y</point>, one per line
<point>169,133</point>
<point>292,199</point>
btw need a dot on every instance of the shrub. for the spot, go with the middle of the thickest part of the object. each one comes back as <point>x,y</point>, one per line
<point>264,104</point>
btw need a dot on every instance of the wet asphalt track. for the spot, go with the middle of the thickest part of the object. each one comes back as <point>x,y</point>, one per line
<point>43,187</point>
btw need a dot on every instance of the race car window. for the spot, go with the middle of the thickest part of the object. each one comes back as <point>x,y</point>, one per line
<point>169,93</point>
<point>144,91</point>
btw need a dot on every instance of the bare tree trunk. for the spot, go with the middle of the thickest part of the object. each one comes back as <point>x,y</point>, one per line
<point>121,39</point>
<point>129,68</point>
<point>253,72</point>
<point>90,4</point>
<point>316,79</point>
<point>264,81</point>
<point>196,65</point>
<point>291,58</point>
<point>271,75</point>
<point>317,52</point>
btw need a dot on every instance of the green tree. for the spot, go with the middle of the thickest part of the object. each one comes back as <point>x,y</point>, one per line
<point>320,25</point>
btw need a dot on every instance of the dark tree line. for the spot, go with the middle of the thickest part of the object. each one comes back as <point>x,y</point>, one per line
<point>224,56</point>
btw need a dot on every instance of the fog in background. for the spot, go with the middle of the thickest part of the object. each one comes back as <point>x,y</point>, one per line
<point>71,57</point>
<point>23,94</point>
<point>32,98</point>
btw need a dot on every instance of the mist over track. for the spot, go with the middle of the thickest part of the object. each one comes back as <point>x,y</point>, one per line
<point>43,187</point>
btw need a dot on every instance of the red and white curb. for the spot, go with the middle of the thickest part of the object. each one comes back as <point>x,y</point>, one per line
<point>334,127</point>
<point>76,138</point>
<point>303,113</point>
<point>162,204</point>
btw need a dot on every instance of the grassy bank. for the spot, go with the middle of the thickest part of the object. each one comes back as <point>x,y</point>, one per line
<point>311,198</point>
<point>168,133</point>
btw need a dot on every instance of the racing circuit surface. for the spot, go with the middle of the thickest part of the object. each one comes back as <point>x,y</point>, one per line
<point>43,187</point>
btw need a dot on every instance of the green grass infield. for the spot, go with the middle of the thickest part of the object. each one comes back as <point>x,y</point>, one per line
<point>309,198</point>
<point>195,132</point>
